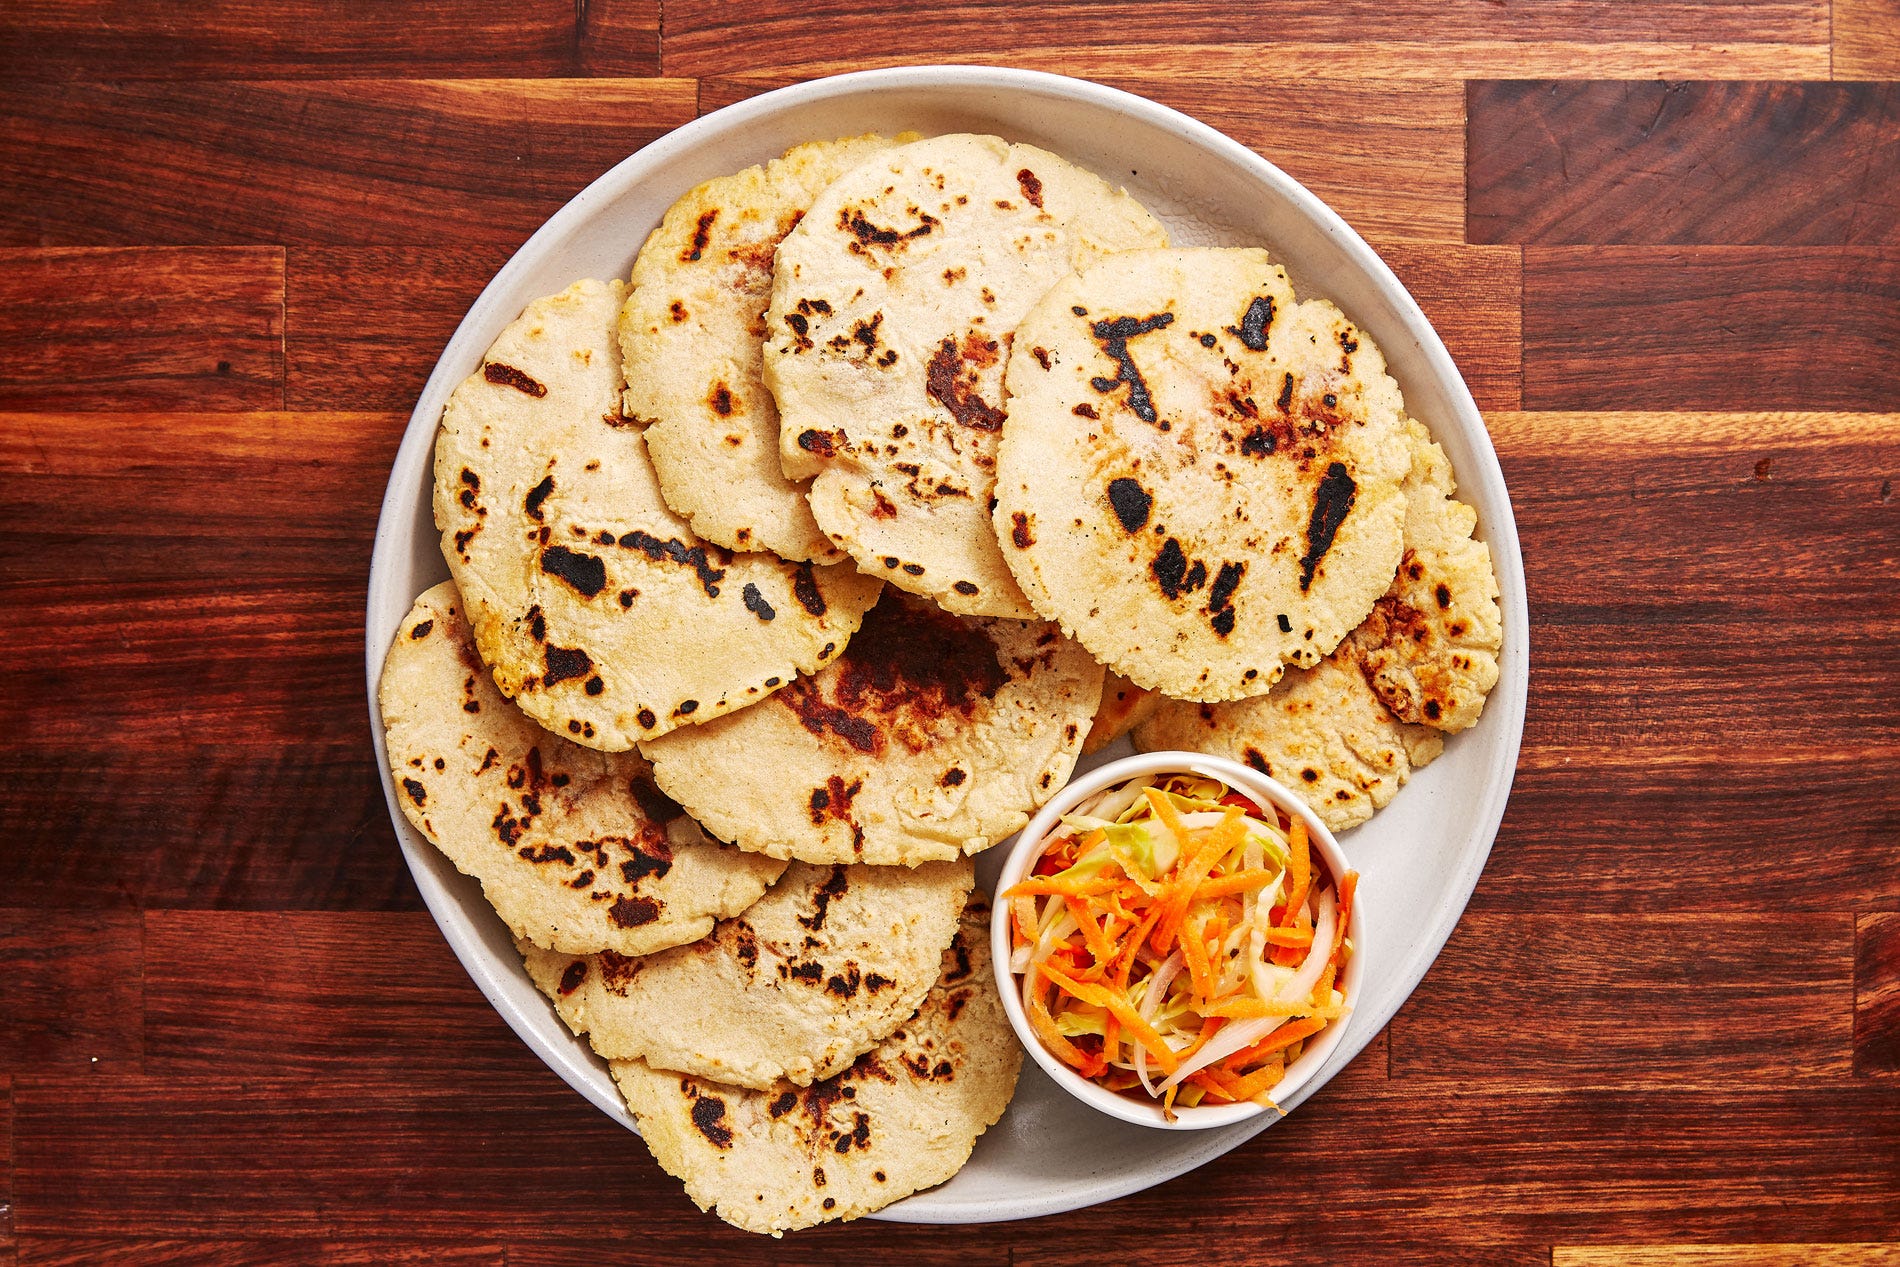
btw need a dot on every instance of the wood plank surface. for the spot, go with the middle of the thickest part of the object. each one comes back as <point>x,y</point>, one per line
<point>207,328</point>
<point>364,325</point>
<point>1661,242</point>
<point>319,39</point>
<point>1863,1254</point>
<point>73,990</point>
<point>1711,327</point>
<point>369,162</point>
<point>301,993</point>
<point>1684,163</point>
<point>88,1251</point>
<point>706,37</point>
<point>1675,1000</point>
<point>1877,992</point>
<point>1866,39</point>
<point>203,826</point>
<point>1394,175</point>
<point>488,1158</point>
<point>1413,57</point>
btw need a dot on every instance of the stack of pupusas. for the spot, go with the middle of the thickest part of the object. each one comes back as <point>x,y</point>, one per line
<point>785,576</point>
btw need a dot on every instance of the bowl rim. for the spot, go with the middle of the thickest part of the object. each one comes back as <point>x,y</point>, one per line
<point>1028,847</point>
<point>390,594</point>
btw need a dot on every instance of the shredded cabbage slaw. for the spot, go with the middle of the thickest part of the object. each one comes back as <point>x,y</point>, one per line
<point>1178,939</point>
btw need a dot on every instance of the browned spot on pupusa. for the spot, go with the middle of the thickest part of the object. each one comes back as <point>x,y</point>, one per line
<point>951,379</point>
<point>836,885</point>
<point>1020,535</point>
<point>673,550</point>
<point>632,912</point>
<point>833,800</point>
<point>508,376</point>
<point>702,235</point>
<point>908,669</point>
<point>1332,502</point>
<point>756,603</point>
<point>1114,334</point>
<point>1031,186</point>
<point>586,573</point>
<point>1130,502</point>
<point>709,1116</point>
<point>1254,324</point>
<point>852,221</point>
<point>1220,608</point>
<point>564,663</point>
<point>824,444</point>
<point>723,402</point>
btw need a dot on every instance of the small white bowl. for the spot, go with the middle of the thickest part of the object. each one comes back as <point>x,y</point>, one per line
<point>1028,847</point>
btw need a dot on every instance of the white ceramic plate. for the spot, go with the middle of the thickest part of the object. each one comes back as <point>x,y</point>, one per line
<point>1418,859</point>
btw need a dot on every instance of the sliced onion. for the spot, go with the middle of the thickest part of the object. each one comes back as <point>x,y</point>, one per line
<point>1019,959</point>
<point>1150,1004</point>
<point>1245,1034</point>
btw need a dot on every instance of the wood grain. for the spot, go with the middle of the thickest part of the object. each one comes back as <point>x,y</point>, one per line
<point>1713,328</point>
<point>1472,295</point>
<point>1864,1254</point>
<point>73,991</point>
<point>6,1167</point>
<point>58,1251</point>
<point>313,1157</point>
<point>276,664</point>
<point>1695,830</point>
<point>1770,164</point>
<point>142,327</point>
<point>1443,60</point>
<point>128,490</point>
<point>372,162</point>
<point>364,325</point>
<point>1394,174</point>
<point>356,995</point>
<point>705,37</point>
<point>1866,39</point>
<point>1674,1000</point>
<point>202,825</point>
<point>1877,993</point>
<point>283,39</point>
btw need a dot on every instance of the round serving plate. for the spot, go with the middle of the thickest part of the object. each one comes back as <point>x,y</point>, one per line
<point>1418,859</point>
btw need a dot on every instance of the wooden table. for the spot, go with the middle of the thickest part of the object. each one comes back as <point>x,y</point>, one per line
<point>1662,240</point>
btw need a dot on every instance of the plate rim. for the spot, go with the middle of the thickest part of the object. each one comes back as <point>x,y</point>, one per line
<point>1499,525</point>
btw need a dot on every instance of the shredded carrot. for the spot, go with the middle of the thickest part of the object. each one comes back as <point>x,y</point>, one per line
<point>1348,886</point>
<point>1022,911</point>
<point>1098,943</point>
<point>1123,1010</point>
<point>1260,1080</point>
<point>1170,817</point>
<point>1045,1026</point>
<point>1299,866</point>
<point>1194,953</point>
<point>1297,938</point>
<point>1238,882</point>
<point>1288,956</point>
<point>1181,892</point>
<point>1248,1008</point>
<point>1287,1034</point>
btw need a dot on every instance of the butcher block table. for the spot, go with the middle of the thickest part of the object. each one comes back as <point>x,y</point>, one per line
<point>1662,241</point>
